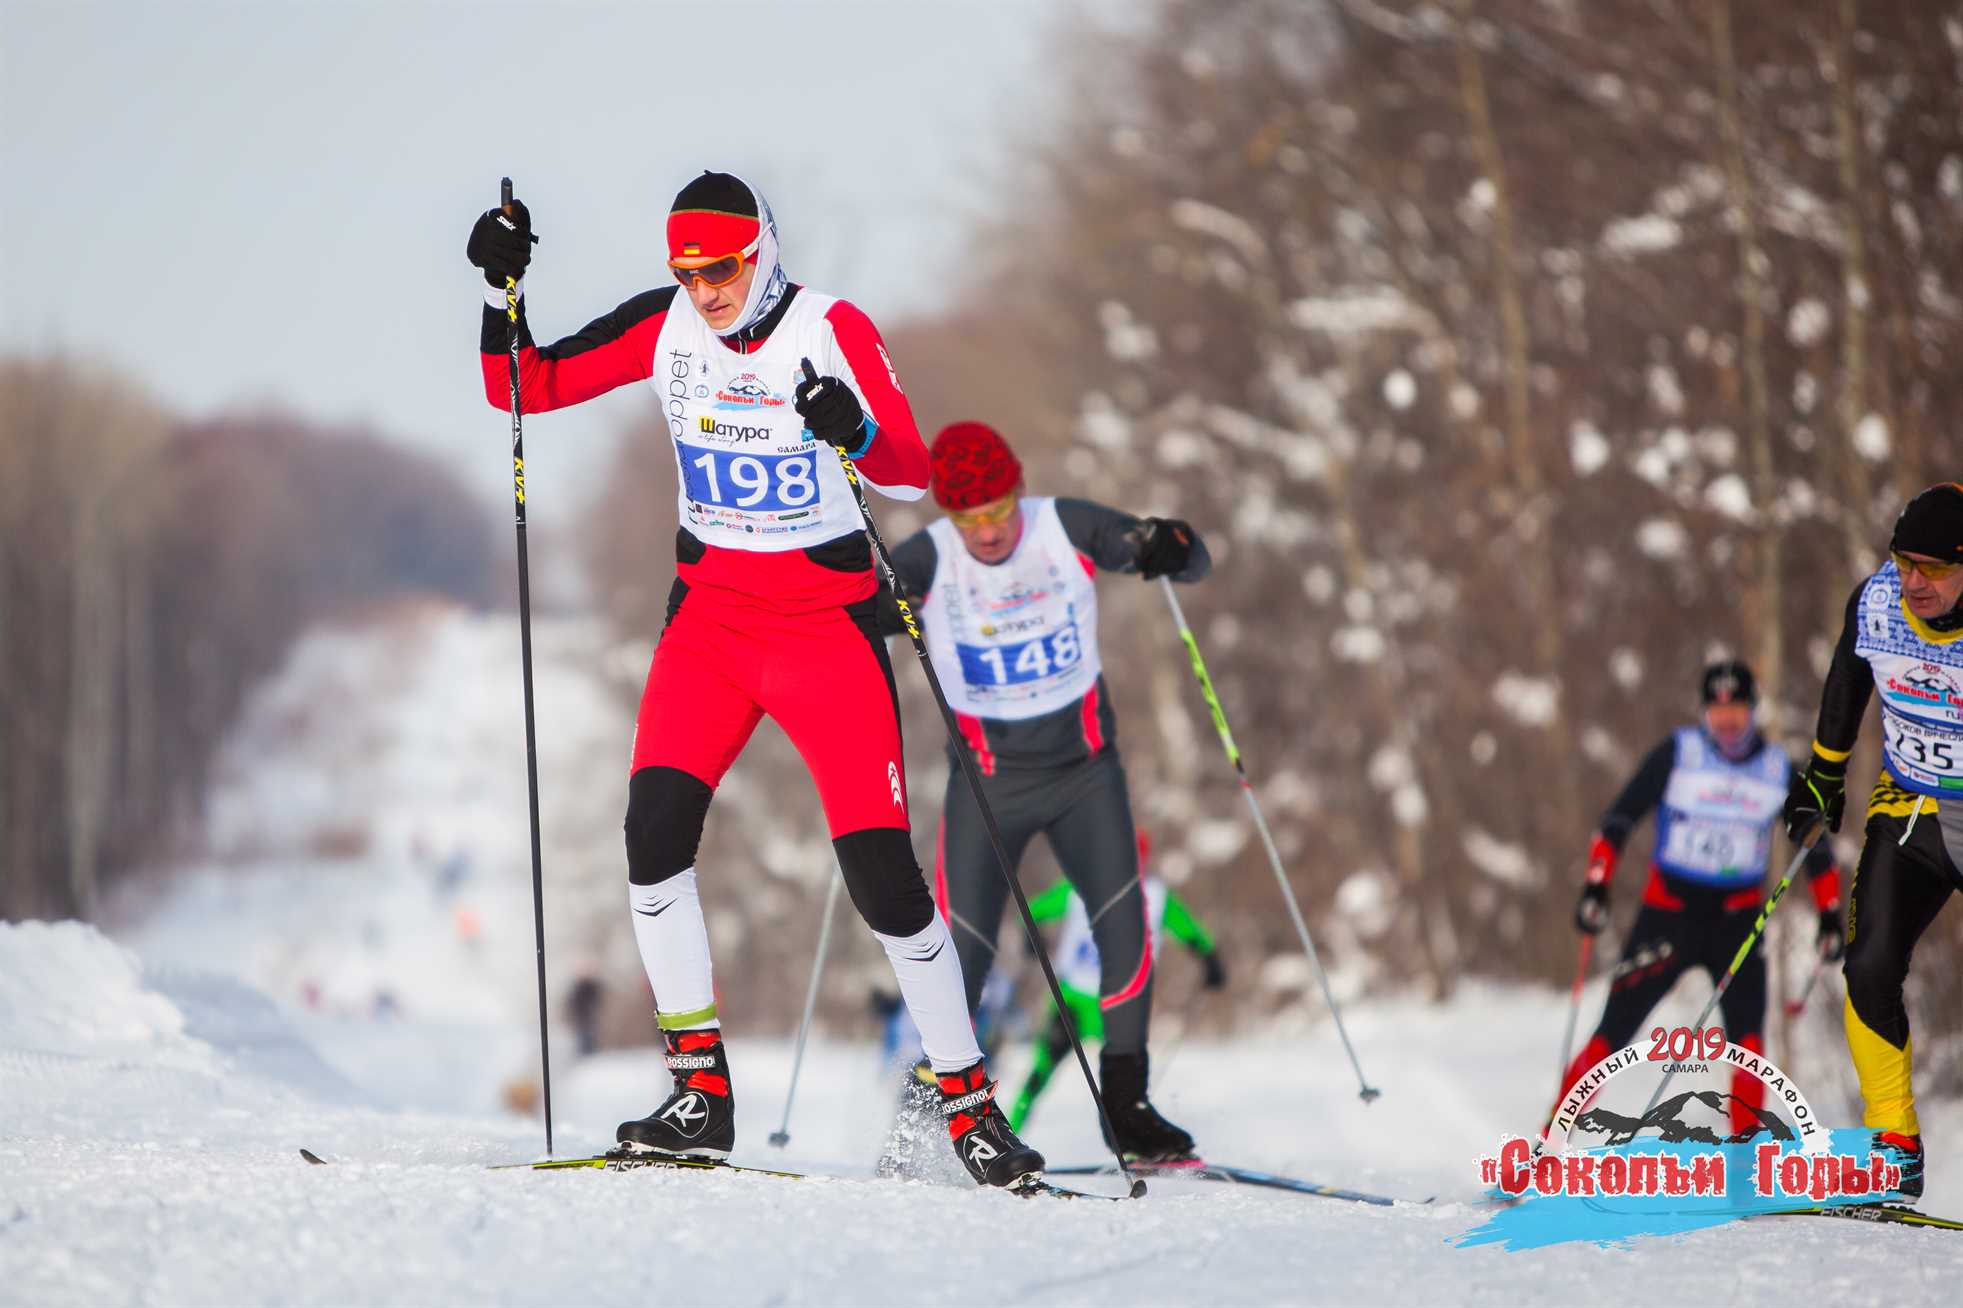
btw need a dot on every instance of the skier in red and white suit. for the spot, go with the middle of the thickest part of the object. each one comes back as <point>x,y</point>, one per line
<point>773,611</point>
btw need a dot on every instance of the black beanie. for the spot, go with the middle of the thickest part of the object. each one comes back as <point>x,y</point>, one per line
<point>716,193</point>
<point>1932,524</point>
<point>1729,682</point>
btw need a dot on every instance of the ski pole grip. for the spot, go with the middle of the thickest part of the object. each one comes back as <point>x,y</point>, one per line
<point>504,194</point>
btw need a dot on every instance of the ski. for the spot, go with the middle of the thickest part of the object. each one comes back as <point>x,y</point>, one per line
<point>616,1160</point>
<point>1205,1171</point>
<point>1889,1213</point>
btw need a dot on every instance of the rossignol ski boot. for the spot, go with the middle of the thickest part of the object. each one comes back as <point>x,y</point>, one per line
<point>698,1120</point>
<point>980,1131</point>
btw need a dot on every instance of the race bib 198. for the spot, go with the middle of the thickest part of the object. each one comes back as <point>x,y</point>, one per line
<point>763,482</point>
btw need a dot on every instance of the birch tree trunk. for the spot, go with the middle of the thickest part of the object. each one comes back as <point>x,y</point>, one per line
<point>1755,295</point>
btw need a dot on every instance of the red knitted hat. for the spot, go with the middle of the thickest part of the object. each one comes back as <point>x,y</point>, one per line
<point>972,465</point>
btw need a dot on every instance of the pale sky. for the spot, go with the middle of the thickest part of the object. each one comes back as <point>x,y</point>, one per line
<point>243,203</point>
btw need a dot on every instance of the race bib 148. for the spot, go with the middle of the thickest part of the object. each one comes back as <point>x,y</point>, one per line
<point>1023,661</point>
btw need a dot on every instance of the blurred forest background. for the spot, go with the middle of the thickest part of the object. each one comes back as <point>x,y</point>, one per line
<point>1515,356</point>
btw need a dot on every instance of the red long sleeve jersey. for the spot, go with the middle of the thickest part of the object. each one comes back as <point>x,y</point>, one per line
<point>767,517</point>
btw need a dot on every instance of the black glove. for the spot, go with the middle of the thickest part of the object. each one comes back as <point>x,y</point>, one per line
<point>830,411</point>
<point>501,244</point>
<point>1216,972</point>
<point>1591,912</point>
<point>1165,545</point>
<point>1821,790</point>
<point>1832,940</point>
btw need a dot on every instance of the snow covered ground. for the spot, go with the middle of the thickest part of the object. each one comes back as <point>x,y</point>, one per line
<point>149,1156</point>
<point>159,1080</point>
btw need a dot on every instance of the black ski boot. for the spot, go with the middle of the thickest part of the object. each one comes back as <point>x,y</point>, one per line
<point>981,1134</point>
<point>1905,1151</point>
<point>699,1119</point>
<point>1143,1136</point>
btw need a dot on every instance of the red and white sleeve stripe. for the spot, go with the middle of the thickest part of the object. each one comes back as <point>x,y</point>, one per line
<point>896,465</point>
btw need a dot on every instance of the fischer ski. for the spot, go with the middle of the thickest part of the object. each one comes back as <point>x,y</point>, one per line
<point>620,1160</point>
<point>1204,1171</point>
<point>1887,1213</point>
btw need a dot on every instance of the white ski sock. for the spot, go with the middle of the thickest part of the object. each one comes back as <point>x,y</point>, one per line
<point>674,945</point>
<point>929,973</point>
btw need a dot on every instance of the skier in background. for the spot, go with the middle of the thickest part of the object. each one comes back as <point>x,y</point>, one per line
<point>773,611</point>
<point>1005,587</point>
<point>1717,788</point>
<point>1078,970</point>
<point>583,1006</point>
<point>1903,632</point>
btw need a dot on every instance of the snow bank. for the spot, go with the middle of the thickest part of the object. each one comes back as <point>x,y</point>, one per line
<point>66,990</point>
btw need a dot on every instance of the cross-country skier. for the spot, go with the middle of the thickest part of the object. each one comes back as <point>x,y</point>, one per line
<point>1079,972</point>
<point>773,611</point>
<point>1903,632</point>
<point>1006,590</point>
<point>1717,789</point>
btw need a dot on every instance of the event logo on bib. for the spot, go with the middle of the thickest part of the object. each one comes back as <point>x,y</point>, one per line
<point>1927,687</point>
<point>748,391</point>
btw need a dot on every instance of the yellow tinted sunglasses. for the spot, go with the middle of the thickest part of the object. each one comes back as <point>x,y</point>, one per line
<point>1929,568</point>
<point>987,516</point>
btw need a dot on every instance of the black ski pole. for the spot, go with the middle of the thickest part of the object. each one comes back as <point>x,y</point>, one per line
<point>525,647</point>
<point>1794,1007</point>
<point>1574,1007</point>
<point>1137,1184</point>
<point>1744,950</point>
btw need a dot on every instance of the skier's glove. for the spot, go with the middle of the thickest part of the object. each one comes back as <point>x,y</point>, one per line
<point>831,412</point>
<point>501,244</point>
<point>1165,545</point>
<point>1591,911</point>
<point>1832,940</point>
<point>1819,791</point>
<point>1216,972</point>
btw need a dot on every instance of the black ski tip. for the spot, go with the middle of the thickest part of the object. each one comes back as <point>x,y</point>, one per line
<point>313,1158</point>
<point>780,1138</point>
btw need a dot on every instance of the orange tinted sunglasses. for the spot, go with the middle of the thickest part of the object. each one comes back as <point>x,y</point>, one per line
<point>719,272</point>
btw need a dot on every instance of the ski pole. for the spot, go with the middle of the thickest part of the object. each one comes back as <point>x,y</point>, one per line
<point>967,762</point>
<point>1745,949</point>
<point>525,647</point>
<point>782,1135</point>
<point>1366,1092</point>
<point>1574,1006</point>
<point>1795,1006</point>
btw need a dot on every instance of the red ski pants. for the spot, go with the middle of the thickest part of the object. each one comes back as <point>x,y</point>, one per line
<point>823,676</point>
